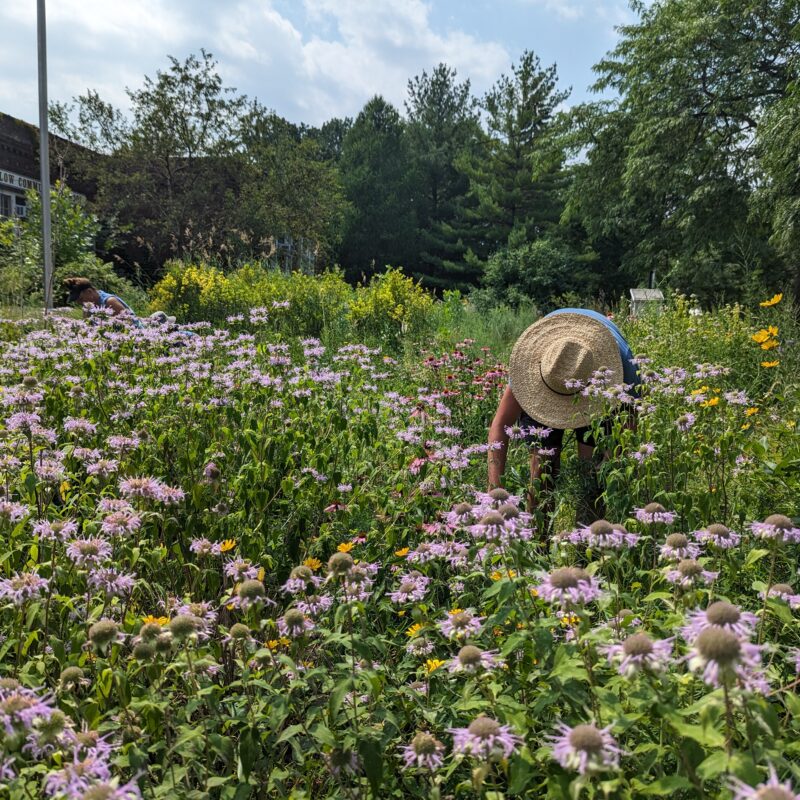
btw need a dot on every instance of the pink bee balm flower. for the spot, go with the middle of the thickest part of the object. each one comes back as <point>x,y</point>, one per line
<point>22,587</point>
<point>677,546</point>
<point>486,739</point>
<point>569,586</point>
<point>689,573</point>
<point>88,552</point>
<point>640,653</point>
<point>585,748</point>
<point>460,625</point>
<point>411,589</point>
<point>719,536</point>
<point>784,592</point>
<point>773,789</point>
<point>604,535</point>
<point>472,659</point>
<point>294,623</point>
<point>654,513</point>
<point>424,752</point>
<point>721,656</point>
<point>777,527</point>
<point>721,614</point>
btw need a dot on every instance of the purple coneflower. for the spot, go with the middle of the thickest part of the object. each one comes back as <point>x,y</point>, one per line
<point>689,573</point>
<point>721,656</point>
<point>677,547</point>
<point>723,615</point>
<point>472,659</point>
<point>294,623</point>
<point>585,748</point>
<point>773,789</point>
<point>89,551</point>
<point>460,624</point>
<point>411,589</point>
<point>569,586</point>
<point>719,536</point>
<point>777,527</point>
<point>424,752</point>
<point>485,738</point>
<point>639,652</point>
<point>654,513</point>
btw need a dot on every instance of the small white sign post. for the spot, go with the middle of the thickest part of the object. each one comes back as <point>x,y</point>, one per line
<point>642,298</point>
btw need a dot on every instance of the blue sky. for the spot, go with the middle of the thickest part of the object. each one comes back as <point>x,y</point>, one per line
<point>307,59</point>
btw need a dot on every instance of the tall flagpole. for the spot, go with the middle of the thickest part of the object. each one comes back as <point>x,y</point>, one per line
<point>44,156</point>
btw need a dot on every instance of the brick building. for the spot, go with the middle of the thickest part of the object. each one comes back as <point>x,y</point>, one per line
<point>19,164</point>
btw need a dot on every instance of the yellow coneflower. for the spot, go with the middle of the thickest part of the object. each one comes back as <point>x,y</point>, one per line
<point>157,620</point>
<point>432,664</point>
<point>227,544</point>
<point>345,547</point>
<point>312,563</point>
<point>773,301</point>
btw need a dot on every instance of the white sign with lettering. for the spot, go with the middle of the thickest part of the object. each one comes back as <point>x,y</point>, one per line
<point>19,181</point>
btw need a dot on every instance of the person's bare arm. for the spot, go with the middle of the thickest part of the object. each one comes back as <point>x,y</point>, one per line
<point>507,414</point>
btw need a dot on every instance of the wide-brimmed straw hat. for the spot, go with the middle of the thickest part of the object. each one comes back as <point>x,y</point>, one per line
<point>552,353</point>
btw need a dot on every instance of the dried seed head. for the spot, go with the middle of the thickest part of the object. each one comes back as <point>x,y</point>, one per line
<point>718,644</point>
<point>484,727</point>
<point>340,563</point>
<point>781,588</point>
<point>677,541</point>
<point>9,684</point>
<point>586,738</point>
<point>654,508</point>
<point>461,619</point>
<point>722,613</point>
<point>406,587</point>
<point>164,642</point>
<point>251,590</point>
<point>568,577</point>
<point>779,521</point>
<point>640,644</point>
<point>499,495</point>
<point>29,382</point>
<point>492,519</point>
<point>463,508</point>
<point>470,656</point>
<point>689,568</point>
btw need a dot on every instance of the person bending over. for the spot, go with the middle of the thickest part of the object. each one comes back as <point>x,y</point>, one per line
<point>550,363</point>
<point>81,291</point>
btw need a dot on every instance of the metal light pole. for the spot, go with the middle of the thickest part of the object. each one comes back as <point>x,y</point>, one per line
<point>44,156</point>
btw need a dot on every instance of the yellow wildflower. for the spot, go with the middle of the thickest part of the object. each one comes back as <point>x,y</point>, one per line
<point>312,563</point>
<point>770,344</point>
<point>746,426</point>
<point>790,423</point>
<point>401,613</point>
<point>345,547</point>
<point>770,364</point>
<point>403,551</point>
<point>497,575</point>
<point>751,411</point>
<point>226,545</point>
<point>261,573</point>
<point>700,390</point>
<point>414,630</point>
<point>761,336</point>
<point>569,620</point>
<point>773,301</point>
<point>772,330</point>
<point>432,664</point>
<point>455,611</point>
<point>158,620</point>
<point>712,401</point>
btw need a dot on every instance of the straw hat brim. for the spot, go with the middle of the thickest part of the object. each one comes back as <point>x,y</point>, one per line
<point>538,400</point>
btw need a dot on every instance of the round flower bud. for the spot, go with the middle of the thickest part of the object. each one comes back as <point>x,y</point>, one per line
<point>144,650</point>
<point>251,590</point>
<point>508,511</point>
<point>463,508</point>
<point>184,625</point>
<point>484,727</point>
<point>470,656</point>
<point>568,577</point>
<point>677,540</point>
<point>71,677</point>
<point>340,563</point>
<point>150,630</point>
<point>587,739</point>
<point>654,508</point>
<point>718,644</point>
<point>239,632</point>
<point>302,573</point>
<point>29,382</point>
<point>722,613</point>
<point>499,495</point>
<point>779,521</point>
<point>640,644</point>
<point>492,519</point>
<point>164,642</point>
<point>103,632</point>
<point>601,527</point>
<point>9,684</point>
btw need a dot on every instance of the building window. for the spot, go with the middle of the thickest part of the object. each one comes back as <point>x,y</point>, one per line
<point>21,208</point>
<point>5,205</point>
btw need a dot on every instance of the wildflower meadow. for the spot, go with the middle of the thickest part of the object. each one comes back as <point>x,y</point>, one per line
<point>238,563</point>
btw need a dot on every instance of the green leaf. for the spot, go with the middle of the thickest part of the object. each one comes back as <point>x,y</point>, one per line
<point>708,737</point>
<point>336,698</point>
<point>249,750</point>
<point>715,764</point>
<point>289,733</point>
<point>663,786</point>
<point>372,758</point>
